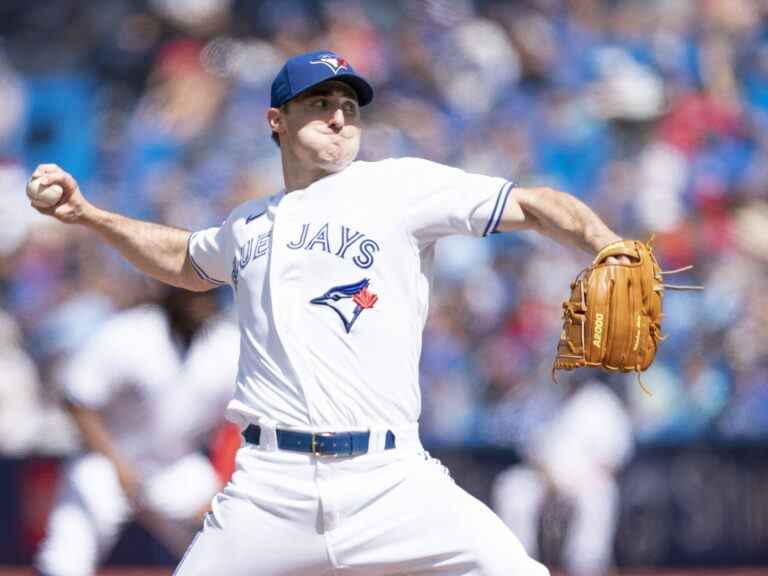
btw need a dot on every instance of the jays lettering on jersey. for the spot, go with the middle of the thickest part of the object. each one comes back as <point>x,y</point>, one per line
<point>332,287</point>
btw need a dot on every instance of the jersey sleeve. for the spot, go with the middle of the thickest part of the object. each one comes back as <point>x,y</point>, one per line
<point>442,200</point>
<point>209,255</point>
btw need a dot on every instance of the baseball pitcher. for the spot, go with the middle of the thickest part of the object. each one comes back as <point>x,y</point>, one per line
<point>331,277</point>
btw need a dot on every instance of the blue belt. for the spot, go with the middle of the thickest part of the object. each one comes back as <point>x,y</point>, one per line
<point>320,443</point>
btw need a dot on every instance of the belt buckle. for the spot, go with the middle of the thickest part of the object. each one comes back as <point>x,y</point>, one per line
<point>314,444</point>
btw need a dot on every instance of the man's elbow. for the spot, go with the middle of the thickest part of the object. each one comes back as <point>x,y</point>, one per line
<point>539,208</point>
<point>542,199</point>
<point>189,279</point>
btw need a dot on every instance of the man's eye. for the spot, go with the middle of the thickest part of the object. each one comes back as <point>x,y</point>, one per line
<point>320,103</point>
<point>350,109</point>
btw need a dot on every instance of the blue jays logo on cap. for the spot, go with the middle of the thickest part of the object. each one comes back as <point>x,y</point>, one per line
<point>302,72</point>
<point>348,301</point>
<point>334,63</point>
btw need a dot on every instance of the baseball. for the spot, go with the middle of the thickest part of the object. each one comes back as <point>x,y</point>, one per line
<point>43,196</point>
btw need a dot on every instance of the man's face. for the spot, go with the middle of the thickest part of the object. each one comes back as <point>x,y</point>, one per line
<point>321,128</point>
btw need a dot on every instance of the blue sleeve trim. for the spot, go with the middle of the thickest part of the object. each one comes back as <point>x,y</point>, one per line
<point>199,269</point>
<point>498,208</point>
<point>501,212</point>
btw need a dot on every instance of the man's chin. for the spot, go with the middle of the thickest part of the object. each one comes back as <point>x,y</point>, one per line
<point>332,165</point>
<point>338,166</point>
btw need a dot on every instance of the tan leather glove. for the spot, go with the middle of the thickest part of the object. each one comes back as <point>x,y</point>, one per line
<point>613,317</point>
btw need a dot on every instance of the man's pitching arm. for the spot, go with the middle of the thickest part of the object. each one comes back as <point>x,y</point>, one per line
<point>157,250</point>
<point>558,215</point>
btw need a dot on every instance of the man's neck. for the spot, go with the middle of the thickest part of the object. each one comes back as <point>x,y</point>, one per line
<point>297,177</point>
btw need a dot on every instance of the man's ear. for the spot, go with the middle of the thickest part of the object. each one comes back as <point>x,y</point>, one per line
<point>275,120</point>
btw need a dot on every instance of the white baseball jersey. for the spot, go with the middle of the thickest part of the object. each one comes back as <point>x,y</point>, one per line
<point>332,287</point>
<point>155,399</point>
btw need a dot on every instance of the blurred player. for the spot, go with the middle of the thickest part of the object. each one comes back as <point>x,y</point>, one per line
<point>20,405</point>
<point>576,454</point>
<point>332,278</point>
<point>143,391</point>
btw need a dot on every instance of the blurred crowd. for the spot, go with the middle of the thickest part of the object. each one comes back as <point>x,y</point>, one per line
<point>654,112</point>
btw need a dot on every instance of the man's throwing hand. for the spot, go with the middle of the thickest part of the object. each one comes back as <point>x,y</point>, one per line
<point>42,191</point>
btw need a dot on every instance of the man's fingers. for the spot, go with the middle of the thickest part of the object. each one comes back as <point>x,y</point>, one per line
<point>52,173</point>
<point>49,211</point>
<point>69,180</point>
<point>618,260</point>
<point>58,177</point>
<point>43,169</point>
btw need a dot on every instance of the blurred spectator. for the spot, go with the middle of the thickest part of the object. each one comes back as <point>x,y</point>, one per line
<point>20,411</point>
<point>575,454</point>
<point>16,216</point>
<point>143,391</point>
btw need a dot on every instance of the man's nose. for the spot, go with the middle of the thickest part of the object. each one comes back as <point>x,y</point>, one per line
<point>337,120</point>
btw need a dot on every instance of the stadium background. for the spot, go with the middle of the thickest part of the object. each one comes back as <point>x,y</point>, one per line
<point>652,111</point>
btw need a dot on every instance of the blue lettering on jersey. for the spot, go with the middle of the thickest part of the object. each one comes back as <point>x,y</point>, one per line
<point>263,243</point>
<point>366,247</point>
<point>347,240</point>
<point>296,244</point>
<point>253,249</point>
<point>320,238</point>
<point>245,253</point>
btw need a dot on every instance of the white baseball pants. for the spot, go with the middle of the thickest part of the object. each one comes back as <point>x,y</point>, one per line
<point>395,512</point>
<point>90,511</point>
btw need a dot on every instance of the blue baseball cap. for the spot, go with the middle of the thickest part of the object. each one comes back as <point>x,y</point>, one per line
<point>304,71</point>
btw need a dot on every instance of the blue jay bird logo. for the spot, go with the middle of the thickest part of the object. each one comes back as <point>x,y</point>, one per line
<point>348,301</point>
<point>335,63</point>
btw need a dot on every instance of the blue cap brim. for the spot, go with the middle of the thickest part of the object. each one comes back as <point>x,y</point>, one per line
<point>360,85</point>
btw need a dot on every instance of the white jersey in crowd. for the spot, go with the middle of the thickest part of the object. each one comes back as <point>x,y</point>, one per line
<point>332,286</point>
<point>155,399</point>
<point>577,454</point>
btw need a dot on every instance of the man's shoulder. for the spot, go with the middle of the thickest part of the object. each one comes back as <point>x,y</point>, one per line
<point>248,210</point>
